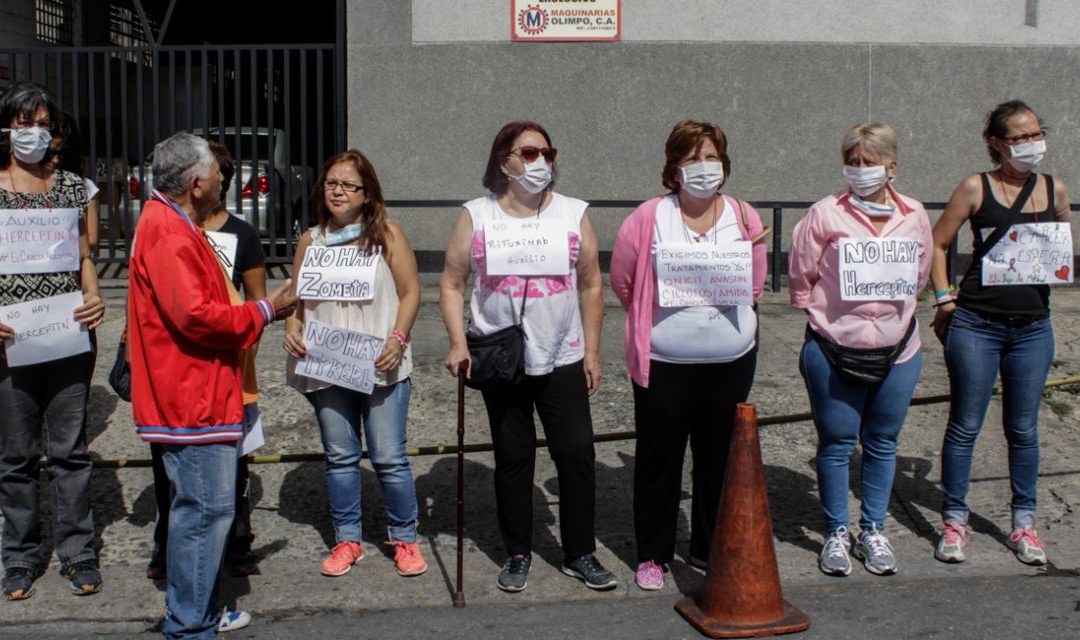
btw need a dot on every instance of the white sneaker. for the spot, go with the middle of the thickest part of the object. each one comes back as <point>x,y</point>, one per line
<point>874,549</point>
<point>834,560</point>
<point>233,620</point>
<point>1028,547</point>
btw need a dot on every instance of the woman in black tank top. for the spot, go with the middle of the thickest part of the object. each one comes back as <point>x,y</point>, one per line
<point>992,323</point>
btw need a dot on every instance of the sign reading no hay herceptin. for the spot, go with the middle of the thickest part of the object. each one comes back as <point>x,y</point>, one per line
<point>565,20</point>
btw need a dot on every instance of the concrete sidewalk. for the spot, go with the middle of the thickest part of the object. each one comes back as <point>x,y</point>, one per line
<point>293,530</point>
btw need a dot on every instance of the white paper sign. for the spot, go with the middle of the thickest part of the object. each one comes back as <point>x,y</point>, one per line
<point>1035,253</point>
<point>39,240</point>
<point>253,430</point>
<point>878,268</point>
<point>224,245</point>
<point>342,357</point>
<point>530,247</point>
<point>699,274</point>
<point>45,330</point>
<point>337,273</point>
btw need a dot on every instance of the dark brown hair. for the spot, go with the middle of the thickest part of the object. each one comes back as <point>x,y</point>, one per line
<point>997,124</point>
<point>372,213</point>
<point>225,163</point>
<point>687,136</point>
<point>494,179</point>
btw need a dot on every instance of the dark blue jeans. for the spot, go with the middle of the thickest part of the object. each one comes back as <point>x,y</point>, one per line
<point>846,413</point>
<point>976,349</point>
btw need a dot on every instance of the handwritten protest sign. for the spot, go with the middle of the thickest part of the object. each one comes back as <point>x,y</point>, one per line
<point>39,240</point>
<point>224,245</point>
<point>342,357</point>
<point>1035,253</point>
<point>529,247</point>
<point>45,330</point>
<point>337,273</point>
<point>878,268</point>
<point>694,275</point>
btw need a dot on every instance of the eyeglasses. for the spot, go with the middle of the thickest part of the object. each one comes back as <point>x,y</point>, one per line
<point>26,124</point>
<point>1027,137</point>
<point>347,187</point>
<point>529,154</point>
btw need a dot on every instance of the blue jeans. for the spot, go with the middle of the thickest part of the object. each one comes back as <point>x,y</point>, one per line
<point>849,412</point>
<point>975,350</point>
<point>203,479</point>
<point>383,414</point>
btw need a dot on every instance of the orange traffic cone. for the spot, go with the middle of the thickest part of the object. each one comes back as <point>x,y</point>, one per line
<point>742,584</point>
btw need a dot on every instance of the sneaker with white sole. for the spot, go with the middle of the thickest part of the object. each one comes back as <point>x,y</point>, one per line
<point>649,576</point>
<point>233,620</point>
<point>953,543</point>
<point>1028,547</point>
<point>589,570</point>
<point>874,549</point>
<point>834,560</point>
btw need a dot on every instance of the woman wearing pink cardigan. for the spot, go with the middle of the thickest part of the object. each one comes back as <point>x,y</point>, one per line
<point>687,267</point>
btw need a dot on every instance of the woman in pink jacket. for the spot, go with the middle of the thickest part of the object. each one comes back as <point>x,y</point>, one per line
<point>688,267</point>
<point>858,259</point>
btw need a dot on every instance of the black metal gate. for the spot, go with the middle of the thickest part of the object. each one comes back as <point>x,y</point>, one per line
<point>278,108</point>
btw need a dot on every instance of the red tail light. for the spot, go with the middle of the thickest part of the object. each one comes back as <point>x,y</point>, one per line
<point>263,184</point>
<point>133,187</point>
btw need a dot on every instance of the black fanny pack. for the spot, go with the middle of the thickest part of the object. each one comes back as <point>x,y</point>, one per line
<point>497,358</point>
<point>862,365</point>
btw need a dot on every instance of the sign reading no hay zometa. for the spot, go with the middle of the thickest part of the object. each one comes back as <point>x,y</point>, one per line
<point>565,20</point>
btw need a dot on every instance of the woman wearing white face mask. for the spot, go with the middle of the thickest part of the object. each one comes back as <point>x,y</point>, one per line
<point>998,320</point>
<point>858,259</point>
<point>533,260</point>
<point>687,267</point>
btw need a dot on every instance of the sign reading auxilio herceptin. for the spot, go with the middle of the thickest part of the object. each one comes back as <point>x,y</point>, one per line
<point>565,20</point>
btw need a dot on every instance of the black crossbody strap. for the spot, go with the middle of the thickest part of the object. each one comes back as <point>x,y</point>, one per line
<point>1009,220</point>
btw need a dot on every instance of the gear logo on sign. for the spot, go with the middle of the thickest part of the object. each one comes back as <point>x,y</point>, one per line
<point>532,20</point>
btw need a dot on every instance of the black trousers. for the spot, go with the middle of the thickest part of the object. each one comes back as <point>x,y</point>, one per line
<point>684,401</point>
<point>561,401</point>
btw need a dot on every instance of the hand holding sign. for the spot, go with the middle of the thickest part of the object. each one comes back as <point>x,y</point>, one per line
<point>341,357</point>
<point>92,310</point>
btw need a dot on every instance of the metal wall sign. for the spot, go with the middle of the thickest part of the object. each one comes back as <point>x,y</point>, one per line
<point>565,20</point>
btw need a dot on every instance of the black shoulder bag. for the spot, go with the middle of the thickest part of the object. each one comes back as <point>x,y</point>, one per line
<point>1007,222</point>
<point>498,358</point>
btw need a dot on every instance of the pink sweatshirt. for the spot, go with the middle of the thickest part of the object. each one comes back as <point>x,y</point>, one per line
<point>633,277</point>
<point>814,278</point>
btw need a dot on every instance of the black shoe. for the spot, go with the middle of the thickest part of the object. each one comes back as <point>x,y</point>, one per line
<point>242,564</point>
<point>19,583</point>
<point>156,569</point>
<point>514,576</point>
<point>84,576</point>
<point>589,570</point>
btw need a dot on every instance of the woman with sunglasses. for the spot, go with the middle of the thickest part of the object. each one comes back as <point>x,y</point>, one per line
<point>349,209</point>
<point>988,328</point>
<point>560,308</point>
<point>43,405</point>
<point>691,352</point>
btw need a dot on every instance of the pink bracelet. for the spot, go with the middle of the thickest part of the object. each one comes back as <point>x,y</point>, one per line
<point>400,337</point>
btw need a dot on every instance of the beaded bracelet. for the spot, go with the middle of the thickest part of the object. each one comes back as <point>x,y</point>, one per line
<point>400,337</point>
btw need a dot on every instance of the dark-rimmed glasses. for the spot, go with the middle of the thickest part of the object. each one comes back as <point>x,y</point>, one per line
<point>530,153</point>
<point>1026,137</point>
<point>347,187</point>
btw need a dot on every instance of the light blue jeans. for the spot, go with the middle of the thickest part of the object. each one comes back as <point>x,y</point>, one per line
<point>203,479</point>
<point>975,350</point>
<point>846,413</point>
<point>383,415</point>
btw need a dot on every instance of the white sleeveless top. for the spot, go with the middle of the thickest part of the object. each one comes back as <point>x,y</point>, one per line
<point>552,312</point>
<point>374,317</point>
<point>704,334</point>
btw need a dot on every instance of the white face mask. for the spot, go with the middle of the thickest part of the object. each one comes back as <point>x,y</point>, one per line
<point>30,144</point>
<point>1027,155</point>
<point>865,180</point>
<point>872,209</point>
<point>702,179</point>
<point>537,176</point>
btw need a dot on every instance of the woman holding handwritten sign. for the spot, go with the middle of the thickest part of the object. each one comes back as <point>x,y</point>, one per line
<point>349,354</point>
<point>687,267</point>
<point>999,320</point>
<point>533,260</point>
<point>48,300</point>
<point>858,259</point>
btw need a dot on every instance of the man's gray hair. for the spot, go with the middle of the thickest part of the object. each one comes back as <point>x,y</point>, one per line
<point>178,159</point>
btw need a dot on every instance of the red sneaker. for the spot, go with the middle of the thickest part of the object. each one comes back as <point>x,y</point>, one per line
<point>407,557</point>
<point>342,557</point>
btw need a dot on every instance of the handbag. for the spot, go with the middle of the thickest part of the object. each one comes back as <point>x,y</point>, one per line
<point>867,366</point>
<point>498,358</point>
<point>120,375</point>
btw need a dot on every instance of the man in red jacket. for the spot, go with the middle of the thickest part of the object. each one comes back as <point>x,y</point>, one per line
<point>186,389</point>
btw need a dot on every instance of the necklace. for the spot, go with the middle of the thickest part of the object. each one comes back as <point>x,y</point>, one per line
<point>19,194</point>
<point>713,209</point>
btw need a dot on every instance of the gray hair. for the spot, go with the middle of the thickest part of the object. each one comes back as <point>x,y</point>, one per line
<point>178,159</point>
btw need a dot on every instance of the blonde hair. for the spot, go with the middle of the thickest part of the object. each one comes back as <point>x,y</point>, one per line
<point>875,137</point>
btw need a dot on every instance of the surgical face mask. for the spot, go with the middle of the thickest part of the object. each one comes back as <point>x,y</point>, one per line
<point>702,179</point>
<point>872,209</point>
<point>1027,155</point>
<point>865,180</point>
<point>30,144</point>
<point>344,235</point>
<point>537,176</point>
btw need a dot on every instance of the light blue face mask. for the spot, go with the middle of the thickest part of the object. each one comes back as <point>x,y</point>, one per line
<point>344,235</point>
<point>872,209</point>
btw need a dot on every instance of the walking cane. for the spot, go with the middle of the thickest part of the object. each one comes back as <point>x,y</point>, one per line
<point>459,595</point>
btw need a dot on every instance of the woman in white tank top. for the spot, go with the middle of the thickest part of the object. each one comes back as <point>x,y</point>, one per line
<point>532,257</point>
